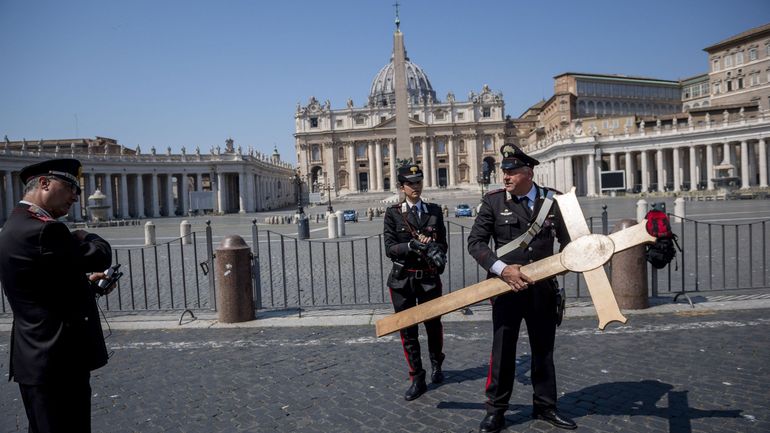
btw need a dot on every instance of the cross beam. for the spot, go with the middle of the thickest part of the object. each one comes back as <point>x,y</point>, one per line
<point>586,254</point>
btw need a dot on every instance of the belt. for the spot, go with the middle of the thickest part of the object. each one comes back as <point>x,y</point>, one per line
<point>420,273</point>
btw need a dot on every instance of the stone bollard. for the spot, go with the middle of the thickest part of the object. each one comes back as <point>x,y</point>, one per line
<point>679,210</point>
<point>340,223</point>
<point>331,222</point>
<point>629,273</point>
<point>149,233</point>
<point>641,209</point>
<point>235,299</point>
<point>185,231</point>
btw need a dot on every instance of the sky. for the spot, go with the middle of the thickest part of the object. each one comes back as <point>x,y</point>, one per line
<point>160,73</point>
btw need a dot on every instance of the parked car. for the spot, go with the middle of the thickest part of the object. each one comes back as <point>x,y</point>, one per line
<point>350,215</point>
<point>463,210</point>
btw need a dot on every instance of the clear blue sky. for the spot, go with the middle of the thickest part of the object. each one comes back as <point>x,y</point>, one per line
<point>192,73</point>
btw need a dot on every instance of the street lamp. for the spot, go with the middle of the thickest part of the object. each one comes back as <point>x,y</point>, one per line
<point>483,178</point>
<point>328,187</point>
<point>303,226</point>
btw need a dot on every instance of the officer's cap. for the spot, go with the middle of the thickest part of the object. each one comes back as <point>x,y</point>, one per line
<point>514,158</point>
<point>68,170</point>
<point>409,173</point>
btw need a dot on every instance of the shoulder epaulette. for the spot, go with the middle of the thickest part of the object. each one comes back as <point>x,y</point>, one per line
<point>495,191</point>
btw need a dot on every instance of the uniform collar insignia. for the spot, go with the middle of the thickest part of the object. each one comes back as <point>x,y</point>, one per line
<point>507,195</point>
<point>506,212</point>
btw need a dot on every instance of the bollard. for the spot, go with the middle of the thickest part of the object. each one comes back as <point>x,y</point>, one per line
<point>185,229</point>
<point>149,233</point>
<point>629,273</point>
<point>641,209</point>
<point>303,227</point>
<point>331,223</point>
<point>679,210</point>
<point>340,223</point>
<point>235,299</point>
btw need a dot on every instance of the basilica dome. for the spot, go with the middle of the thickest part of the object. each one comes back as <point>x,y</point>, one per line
<point>383,91</point>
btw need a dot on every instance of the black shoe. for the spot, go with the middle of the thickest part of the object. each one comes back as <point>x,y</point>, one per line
<point>555,418</point>
<point>417,388</point>
<point>436,375</point>
<point>492,423</point>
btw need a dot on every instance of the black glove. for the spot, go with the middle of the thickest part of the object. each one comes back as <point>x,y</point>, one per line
<point>417,246</point>
<point>436,255</point>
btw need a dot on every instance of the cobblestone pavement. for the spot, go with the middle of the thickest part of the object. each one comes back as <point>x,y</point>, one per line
<point>695,371</point>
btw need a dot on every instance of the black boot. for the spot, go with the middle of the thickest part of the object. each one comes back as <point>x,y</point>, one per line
<point>436,375</point>
<point>418,386</point>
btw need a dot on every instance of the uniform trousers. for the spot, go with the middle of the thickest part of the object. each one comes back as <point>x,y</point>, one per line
<point>63,405</point>
<point>537,306</point>
<point>406,297</point>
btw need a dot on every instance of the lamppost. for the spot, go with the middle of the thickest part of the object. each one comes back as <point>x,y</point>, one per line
<point>303,227</point>
<point>483,178</point>
<point>327,185</point>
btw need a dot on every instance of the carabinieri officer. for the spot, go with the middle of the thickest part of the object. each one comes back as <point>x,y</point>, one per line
<point>415,239</point>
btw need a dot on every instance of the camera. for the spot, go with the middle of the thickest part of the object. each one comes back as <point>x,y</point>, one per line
<point>107,284</point>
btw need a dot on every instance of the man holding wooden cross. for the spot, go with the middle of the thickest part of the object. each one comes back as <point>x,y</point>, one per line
<point>524,220</point>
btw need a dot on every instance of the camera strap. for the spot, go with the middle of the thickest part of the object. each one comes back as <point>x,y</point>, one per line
<point>405,210</point>
<point>534,228</point>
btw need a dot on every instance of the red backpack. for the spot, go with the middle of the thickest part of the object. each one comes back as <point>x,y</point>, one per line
<point>663,251</point>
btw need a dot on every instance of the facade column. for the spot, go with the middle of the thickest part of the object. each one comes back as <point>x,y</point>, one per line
<point>123,195</point>
<point>426,169</point>
<point>433,163</point>
<point>9,201</point>
<point>452,166</point>
<point>568,174</point>
<point>613,161</point>
<point>108,191</point>
<point>221,193</point>
<point>392,165</point>
<point>660,170</point>
<point>709,167</point>
<point>630,171</point>
<point>154,208</point>
<point>250,193</point>
<point>745,181</point>
<point>242,192</point>
<point>694,179</point>
<point>372,167</point>
<point>378,165</point>
<point>677,174</point>
<point>591,176</point>
<point>726,155</point>
<point>91,184</point>
<point>473,158</point>
<point>139,196</point>
<point>643,156</point>
<point>183,199</point>
<point>353,176</point>
<point>762,162</point>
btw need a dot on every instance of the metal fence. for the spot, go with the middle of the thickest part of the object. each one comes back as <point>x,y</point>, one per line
<point>289,273</point>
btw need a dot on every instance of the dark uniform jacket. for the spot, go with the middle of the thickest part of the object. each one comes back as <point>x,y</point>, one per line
<point>397,236</point>
<point>503,219</point>
<point>56,330</point>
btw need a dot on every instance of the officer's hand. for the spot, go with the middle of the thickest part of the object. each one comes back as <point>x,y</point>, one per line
<point>515,278</point>
<point>95,277</point>
<point>424,239</point>
<point>416,246</point>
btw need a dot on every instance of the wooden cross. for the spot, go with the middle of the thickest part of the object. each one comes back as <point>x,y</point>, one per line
<point>586,253</point>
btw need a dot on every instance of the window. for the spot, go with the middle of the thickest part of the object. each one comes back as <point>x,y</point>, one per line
<point>417,149</point>
<point>361,151</point>
<point>728,61</point>
<point>359,120</point>
<point>339,123</point>
<point>383,119</point>
<point>439,115</point>
<point>385,151</point>
<point>314,122</point>
<point>752,54</point>
<point>460,116</point>
<point>486,112</point>
<point>739,58</point>
<point>716,88</point>
<point>315,153</point>
<point>729,85</point>
<point>488,144</point>
<point>440,146</point>
<point>416,117</point>
<point>740,83</point>
<point>461,147</point>
<point>340,153</point>
<point>696,91</point>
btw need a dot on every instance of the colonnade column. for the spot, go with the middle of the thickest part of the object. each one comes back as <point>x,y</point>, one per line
<point>108,191</point>
<point>694,179</point>
<point>568,174</point>
<point>643,157</point>
<point>613,161</point>
<point>221,192</point>
<point>661,172</point>
<point>183,195</point>
<point>709,167</point>
<point>392,165</point>
<point>591,172</point>
<point>9,202</point>
<point>154,208</point>
<point>677,174</point>
<point>170,208</point>
<point>745,182</point>
<point>124,195</point>
<point>139,191</point>
<point>452,168</point>
<point>426,162</point>
<point>353,181</point>
<point>762,162</point>
<point>378,165</point>
<point>372,167</point>
<point>242,192</point>
<point>726,155</point>
<point>630,171</point>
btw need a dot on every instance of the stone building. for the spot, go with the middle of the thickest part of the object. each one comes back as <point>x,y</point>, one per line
<point>149,185</point>
<point>348,150</point>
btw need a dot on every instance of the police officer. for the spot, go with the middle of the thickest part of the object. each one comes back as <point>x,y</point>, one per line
<point>415,239</point>
<point>504,215</point>
<point>56,338</point>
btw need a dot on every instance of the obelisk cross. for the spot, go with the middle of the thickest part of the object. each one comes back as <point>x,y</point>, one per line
<point>586,253</point>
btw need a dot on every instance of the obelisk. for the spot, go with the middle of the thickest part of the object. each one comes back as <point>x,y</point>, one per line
<point>403,144</point>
